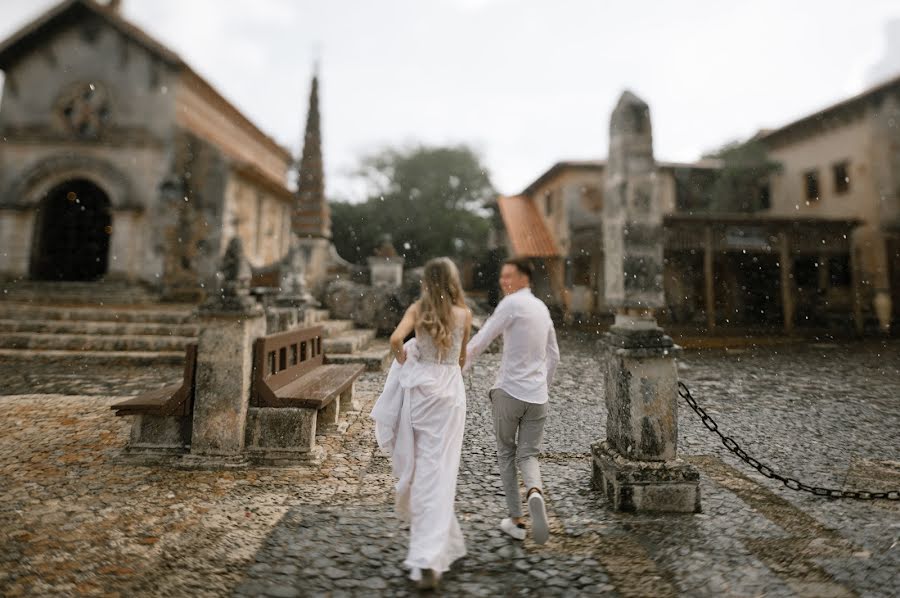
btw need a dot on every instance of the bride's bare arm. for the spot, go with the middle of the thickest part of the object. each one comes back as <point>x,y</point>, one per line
<point>406,325</point>
<point>466,329</point>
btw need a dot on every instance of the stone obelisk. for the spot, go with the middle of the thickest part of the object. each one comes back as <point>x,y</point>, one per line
<point>636,466</point>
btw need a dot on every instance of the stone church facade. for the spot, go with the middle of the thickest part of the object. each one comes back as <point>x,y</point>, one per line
<point>118,162</point>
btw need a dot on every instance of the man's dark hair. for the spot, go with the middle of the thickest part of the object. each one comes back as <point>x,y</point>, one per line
<point>523,265</point>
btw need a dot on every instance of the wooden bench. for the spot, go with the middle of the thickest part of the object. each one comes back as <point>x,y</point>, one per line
<point>293,394</point>
<point>164,416</point>
<point>177,399</point>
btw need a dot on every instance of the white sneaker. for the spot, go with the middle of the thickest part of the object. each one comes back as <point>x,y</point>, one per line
<point>516,531</point>
<point>539,527</point>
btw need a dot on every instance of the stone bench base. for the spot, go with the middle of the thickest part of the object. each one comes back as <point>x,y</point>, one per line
<point>642,486</point>
<point>161,433</point>
<point>287,435</point>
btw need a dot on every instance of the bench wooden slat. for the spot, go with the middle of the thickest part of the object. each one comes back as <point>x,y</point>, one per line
<point>176,399</point>
<point>151,399</point>
<point>281,359</point>
<point>319,387</point>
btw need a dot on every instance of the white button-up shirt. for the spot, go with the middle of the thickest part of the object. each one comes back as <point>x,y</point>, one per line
<point>530,352</point>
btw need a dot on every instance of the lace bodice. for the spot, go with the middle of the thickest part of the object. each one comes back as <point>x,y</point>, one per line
<point>429,352</point>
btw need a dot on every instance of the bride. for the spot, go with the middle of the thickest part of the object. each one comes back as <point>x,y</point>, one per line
<point>420,417</point>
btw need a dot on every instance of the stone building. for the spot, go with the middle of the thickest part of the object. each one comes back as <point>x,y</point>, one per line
<point>823,250</point>
<point>120,163</point>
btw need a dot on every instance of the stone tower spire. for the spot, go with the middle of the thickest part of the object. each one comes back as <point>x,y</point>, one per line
<point>312,218</point>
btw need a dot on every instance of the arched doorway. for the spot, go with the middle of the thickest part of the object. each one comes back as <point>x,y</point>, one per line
<point>72,229</point>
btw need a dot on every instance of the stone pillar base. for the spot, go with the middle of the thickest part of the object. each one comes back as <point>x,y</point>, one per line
<point>641,486</point>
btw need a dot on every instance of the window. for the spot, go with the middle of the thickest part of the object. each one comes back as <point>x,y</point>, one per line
<point>765,197</point>
<point>839,272</point>
<point>592,198</point>
<point>841,172</point>
<point>811,179</point>
<point>548,203</point>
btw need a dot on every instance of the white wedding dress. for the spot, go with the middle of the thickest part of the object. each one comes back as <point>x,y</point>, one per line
<point>419,420</point>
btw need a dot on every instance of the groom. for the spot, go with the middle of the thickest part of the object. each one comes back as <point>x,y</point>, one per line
<point>519,396</point>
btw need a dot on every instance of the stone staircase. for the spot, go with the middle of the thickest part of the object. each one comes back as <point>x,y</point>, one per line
<point>153,334</point>
<point>99,293</point>
<point>344,343</point>
<point>121,334</point>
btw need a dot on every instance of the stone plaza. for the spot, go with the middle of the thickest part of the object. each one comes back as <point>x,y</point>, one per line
<point>77,520</point>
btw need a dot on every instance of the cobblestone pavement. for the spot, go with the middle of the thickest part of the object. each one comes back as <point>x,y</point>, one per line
<point>75,520</point>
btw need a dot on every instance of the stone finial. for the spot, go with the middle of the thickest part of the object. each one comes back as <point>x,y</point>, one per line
<point>233,282</point>
<point>385,248</point>
<point>235,268</point>
<point>632,214</point>
<point>294,291</point>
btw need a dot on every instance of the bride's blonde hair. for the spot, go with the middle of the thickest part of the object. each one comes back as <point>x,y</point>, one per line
<point>441,290</point>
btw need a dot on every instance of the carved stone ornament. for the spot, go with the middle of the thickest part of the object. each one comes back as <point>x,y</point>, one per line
<point>84,108</point>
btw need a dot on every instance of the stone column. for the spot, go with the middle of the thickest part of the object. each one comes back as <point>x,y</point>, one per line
<point>637,465</point>
<point>230,321</point>
<point>709,280</point>
<point>786,267</point>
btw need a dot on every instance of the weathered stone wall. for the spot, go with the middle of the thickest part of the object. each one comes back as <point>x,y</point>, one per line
<point>126,157</point>
<point>260,218</point>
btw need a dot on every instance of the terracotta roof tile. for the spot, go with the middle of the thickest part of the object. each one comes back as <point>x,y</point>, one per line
<point>526,229</point>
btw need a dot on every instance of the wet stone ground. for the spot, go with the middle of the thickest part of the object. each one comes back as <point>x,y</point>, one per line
<point>76,520</point>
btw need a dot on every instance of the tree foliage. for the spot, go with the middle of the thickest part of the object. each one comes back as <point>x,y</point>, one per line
<point>742,183</point>
<point>430,200</point>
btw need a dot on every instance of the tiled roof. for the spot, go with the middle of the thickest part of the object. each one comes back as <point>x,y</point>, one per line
<point>527,231</point>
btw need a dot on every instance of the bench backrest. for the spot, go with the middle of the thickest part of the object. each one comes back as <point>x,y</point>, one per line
<point>279,359</point>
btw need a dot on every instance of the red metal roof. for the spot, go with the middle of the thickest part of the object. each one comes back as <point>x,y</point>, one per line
<point>527,231</point>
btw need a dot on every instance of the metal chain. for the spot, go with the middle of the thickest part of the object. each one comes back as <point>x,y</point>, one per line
<point>767,471</point>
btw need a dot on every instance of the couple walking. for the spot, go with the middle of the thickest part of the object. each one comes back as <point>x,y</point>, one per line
<point>420,416</point>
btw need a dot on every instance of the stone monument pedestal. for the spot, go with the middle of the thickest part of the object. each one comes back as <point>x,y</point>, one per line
<point>666,486</point>
<point>636,466</point>
<point>386,271</point>
<point>221,402</point>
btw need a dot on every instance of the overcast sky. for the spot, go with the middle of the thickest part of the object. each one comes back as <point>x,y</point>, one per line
<point>527,83</point>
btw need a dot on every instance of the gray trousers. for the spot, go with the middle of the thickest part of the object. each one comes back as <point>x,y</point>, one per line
<point>519,427</point>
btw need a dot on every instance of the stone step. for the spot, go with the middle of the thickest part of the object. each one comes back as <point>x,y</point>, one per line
<point>85,293</point>
<point>316,316</point>
<point>376,356</point>
<point>89,342</point>
<point>336,327</point>
<point>349,341</point>
<point>177,314</point>
<point>98,328</point>
<point>73,359</point>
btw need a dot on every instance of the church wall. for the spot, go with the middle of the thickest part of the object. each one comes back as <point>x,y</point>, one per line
<point>140,85</point>
<point>125,151</point>
<point>198,112</point>
<point>15,232</point>
<point>260,218</point>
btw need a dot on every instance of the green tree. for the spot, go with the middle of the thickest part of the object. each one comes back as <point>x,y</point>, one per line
<point>742,183</point>
<point>430,200</point>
